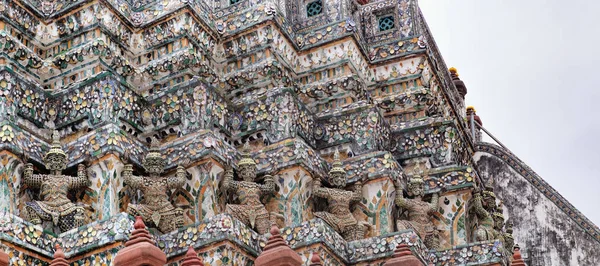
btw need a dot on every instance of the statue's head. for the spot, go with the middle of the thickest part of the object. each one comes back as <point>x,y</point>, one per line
<point>154,162</point>
<point>498,219</point>
<point>247,165</point>
<point>509,227</point>
<point>56,158</point>
<point>416,187</point>
<point>337,174</point>
<point>489,199</point>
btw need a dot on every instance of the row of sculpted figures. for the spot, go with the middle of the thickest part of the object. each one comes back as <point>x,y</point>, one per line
<point>53,205</point>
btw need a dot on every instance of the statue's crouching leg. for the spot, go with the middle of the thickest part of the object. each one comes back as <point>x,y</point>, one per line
<point>238,212</point>
<point>74,219</point>
<point>171,220</point>
<point>482,234</point>
<point>330,219</point>
<point>430,236</point>
<point>133,210</point>
<point>262,223</point>
<point>32,214</point>
<point>355,232</point>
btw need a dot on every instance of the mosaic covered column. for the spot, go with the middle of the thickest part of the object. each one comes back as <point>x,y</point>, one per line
<point>106,185</point>
<point>292,199</point>
<point>450,218</point>
<point>10,182</point>
<point>201,197</point>
<point>378,201</point>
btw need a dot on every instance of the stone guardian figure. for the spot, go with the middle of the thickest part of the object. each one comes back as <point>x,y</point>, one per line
<point>155,208</point>
<point>339,200</point>
<point>54,205</point>
<point>419,212</point>
<point>250,211</point>
<point>484,205</point>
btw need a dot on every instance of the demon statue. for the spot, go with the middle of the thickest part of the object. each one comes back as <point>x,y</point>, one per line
<point>419,212</point>
<point>250,211</point>
<point>503,233</point>
<point>481,212</point>
<point>339,200</point>
<point>155,208</point>
<point>54,206</point>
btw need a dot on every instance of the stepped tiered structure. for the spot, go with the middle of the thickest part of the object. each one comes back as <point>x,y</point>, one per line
<point>335,121</point>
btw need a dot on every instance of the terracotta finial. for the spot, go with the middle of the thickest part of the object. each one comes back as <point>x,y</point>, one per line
<point>139,234</point>
<point>191,258</point>
<point>140,249</point>
<point>277,252</point>
<point>517,259</point>
<point>460,85</point>
<point>315,260</point>
<point>4,259</point>
<point>403,256</point>
<point>275,240</point>
<point>453,70</point>
<point>59,257</point>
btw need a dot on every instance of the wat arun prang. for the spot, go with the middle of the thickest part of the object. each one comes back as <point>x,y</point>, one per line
<point>337,122</point>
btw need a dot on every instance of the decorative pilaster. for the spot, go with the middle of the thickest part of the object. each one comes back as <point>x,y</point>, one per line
<point>105,175</point>
<point>378,199</point>
<point>10,182</point>
<point>292,200</point>
<point>200,197</point>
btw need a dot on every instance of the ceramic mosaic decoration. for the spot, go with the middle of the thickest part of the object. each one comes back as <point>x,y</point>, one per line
<point>336,121</point>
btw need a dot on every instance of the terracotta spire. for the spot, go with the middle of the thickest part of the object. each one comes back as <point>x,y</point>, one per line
<point>517,259</point>
<point>277,252</point>
<point>403,256</point>
<point>140,249</point>
<point>4,259</point>
<point>191,258</point>
<point>315,260</point>
<point>59,257</point>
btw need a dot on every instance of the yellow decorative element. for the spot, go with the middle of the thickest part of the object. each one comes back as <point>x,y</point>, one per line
<point>453,71</point>
<point>470,107</point>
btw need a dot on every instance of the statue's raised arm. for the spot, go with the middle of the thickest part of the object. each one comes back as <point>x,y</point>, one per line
<point>135,182</point>
<point>434,203</point>
<point>400,200</point>
<point>478,205</point>
<point>357,193</point>
<point>81,180</point>
<point>30,179</point>
<point>269,186</point>
<point>178,180</point>
<point>318,190</point>
<point>228,182</point>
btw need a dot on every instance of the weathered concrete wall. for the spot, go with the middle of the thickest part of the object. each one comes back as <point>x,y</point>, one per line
<point>548,236</point>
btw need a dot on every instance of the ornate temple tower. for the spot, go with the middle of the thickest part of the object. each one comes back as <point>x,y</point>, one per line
<point>354,132</point>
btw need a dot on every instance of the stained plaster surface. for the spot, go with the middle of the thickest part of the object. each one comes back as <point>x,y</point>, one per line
<point>547,235</point>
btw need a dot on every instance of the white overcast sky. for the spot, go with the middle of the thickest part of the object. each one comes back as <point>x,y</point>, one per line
<point>532,72</point>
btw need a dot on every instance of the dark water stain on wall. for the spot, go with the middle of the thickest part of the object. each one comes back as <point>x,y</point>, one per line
<point>546,234</point>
